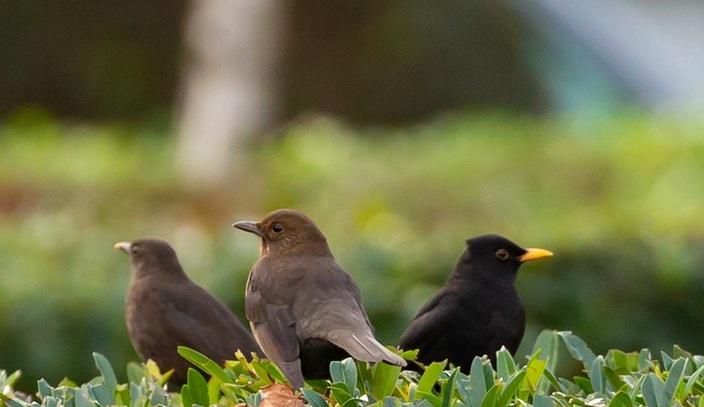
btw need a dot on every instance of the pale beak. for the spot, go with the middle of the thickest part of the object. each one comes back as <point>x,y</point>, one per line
<point>123,246</point>
<point>534,254</point>
<point>249,226</point>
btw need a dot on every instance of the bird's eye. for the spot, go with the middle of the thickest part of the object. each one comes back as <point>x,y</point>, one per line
<point>277,228</point>
<point>502,254</point>
<point>134,249</point>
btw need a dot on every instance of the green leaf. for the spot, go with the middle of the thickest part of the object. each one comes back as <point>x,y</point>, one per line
<point>384,378</point>
<point>186,398</point>
<point>198,388</point>
<point>622,362</point>
<point>135,372</point>
<point>12,379</point>
<point>344,372</point>
<point>213,390</point>
<point>430,398</point>
<point>158,396</point>
<point>546,345</point>
<point>387,402</point>
<point>698,360</point>
<point>491,396</point>
<point>534,371</point>
<point>135,395</point>
<point>12,402</point>
<point>270,368</point>
<point>122,395</point>
<point>448,389</point>
<point>45,390</point>
<point>674,377</point>
<point>678,352</point>
<point>577,348</point>
<point>612,377</point>
<point>339,391</point>
<point>644,359</point>
<point>584,384</point>
<point>477,382</point>
<point>552,380</point>
<point>408,354</point>
<point>692,380</point>
<point>542,401</point>
<point>621,399</point>
<point>313,398</point>
<point>233,392</point>
<point>596,376</point>
<point>463,389</point>
<point>81,399</point>
<point>512,385</point>
<point>636,388</point>
<point>106,370</point>
<point>505,365</point>
<point>430,376</point>
<point>253,400</point>
<point>203,362</point>
<point>666,361</point>
<point>101,394</point>
<point>654,392</point>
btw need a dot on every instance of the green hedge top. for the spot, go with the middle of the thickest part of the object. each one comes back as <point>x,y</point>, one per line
<point>617,379</point>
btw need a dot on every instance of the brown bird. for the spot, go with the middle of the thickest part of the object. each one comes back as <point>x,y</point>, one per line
<point>478,310</point>
<point>165,309</point>
<point>304,309</point>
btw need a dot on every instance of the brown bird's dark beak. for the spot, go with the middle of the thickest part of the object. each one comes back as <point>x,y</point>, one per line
<point>249,226</point>
<point>534,254</point>
<point>123,246</point>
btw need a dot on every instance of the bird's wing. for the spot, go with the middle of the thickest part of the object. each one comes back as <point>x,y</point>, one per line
<point>197,320</point>
<point>274,329</point>
<point>428,325</point>
<point>184,326</point>
<point>334,312</point>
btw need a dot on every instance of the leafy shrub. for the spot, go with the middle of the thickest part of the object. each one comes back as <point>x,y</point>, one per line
<point>617,379</point>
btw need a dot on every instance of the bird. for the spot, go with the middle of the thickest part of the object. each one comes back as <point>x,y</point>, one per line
<point>165,309</point>
<point>478,310</point>
<point>304,309</point>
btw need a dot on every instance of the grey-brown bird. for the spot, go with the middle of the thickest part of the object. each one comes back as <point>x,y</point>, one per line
<point>478,310</point>
<point>304,309</point>
<point>165,309</point>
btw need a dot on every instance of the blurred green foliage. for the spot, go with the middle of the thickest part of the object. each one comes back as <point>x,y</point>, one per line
<point>620,202</point>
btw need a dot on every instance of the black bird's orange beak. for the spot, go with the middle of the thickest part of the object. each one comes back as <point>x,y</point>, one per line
<point>534,254</point>
<point>249,226</point>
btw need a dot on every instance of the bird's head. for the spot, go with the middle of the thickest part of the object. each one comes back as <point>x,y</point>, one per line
<point>287,231</point>
<point>150,254</point>
<point>496,257</point>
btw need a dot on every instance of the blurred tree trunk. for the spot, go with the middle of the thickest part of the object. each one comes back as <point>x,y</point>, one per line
<point>228,90</point>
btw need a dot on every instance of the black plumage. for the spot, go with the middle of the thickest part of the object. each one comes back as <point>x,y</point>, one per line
<point>304,309</point>
<point>478,310</point>
<point>165,309</point>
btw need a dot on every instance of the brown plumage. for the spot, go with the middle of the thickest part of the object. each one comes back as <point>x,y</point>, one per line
<point>165,309</point>
<point>304,309</point>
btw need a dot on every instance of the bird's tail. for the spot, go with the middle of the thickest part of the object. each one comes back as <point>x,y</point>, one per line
<point>292,371</point>
<point>366,348</point>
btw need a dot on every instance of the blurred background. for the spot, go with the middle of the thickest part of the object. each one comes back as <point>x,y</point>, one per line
<point>401,127</point>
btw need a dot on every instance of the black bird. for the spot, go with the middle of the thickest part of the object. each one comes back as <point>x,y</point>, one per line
<point>304,309</point>
<point>165,309</point>
<point>478,310</point>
